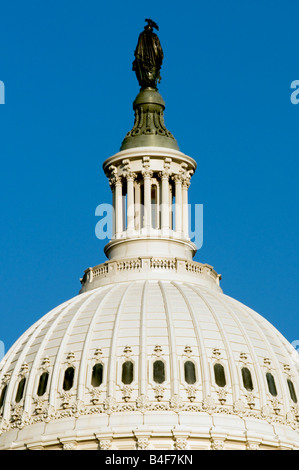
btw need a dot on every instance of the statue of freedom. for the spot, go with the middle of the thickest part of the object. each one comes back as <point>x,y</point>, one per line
<point>148,57</point>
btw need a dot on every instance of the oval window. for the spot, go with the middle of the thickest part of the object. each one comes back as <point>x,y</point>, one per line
<point>20,391</point>
<point>97,375</point>
<point>2,396</point>
<point>247,380</point>
<point>42,385</point>
<point>219,375</point>
<point>271,384</point>
<point>292,391</point>
<point>68,380</point>
<point>127,372</point>
<point>190,374</point>
<point>159,372</point>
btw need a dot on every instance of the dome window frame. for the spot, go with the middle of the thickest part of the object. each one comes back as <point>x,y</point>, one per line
<point>42,385</point>
<point>65,386</point>
<point>195,369</point>
<point>127,356</point>
<point>271,384</point>
<point>3,394</point>
<point>247,382</point>
<point>21,386</point>
<point>132,372</point>
<point>292,391</point>
<point>219,374</point>
<point>158,355</point>
<point>91,375</point>
<point>155,361</point>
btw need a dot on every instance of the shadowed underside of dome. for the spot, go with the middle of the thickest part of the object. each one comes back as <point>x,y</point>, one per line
<point>159,364</point>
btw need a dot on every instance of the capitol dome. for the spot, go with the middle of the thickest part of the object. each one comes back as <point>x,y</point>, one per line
<point>151,364</point>
<point>151,354</point>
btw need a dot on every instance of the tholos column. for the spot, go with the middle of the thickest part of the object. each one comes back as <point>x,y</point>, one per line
<point>185,186</point>
<point>165,220</point>
<point>112,179</point>
<point>170,208</point>
<point>118,207</point>
<point>113,205</point>
<point>178,203</point>
<point>137,204</point>
<point>130,202</point>
<point>147,176</point>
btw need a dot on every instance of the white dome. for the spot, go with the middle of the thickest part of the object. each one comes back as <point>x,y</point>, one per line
<point>140,322</point>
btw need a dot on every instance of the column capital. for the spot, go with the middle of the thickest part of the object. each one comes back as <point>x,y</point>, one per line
<point>114,179</point>
<point>130,175</point>
<point>127,172</point>
<point>147,172</point>
<point>186,182</point>
<point>178,178</point>
<point>165,174</point>
<point>187,177</point>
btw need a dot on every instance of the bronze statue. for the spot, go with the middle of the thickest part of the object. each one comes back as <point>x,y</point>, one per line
<point>148,57</point>
<point>149,129</point>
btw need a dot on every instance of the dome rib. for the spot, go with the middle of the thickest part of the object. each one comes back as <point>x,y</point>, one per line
<point>279,338</point>
<point>174,376</point>
<point>40,351</point>
<point>16,348</point>
<point>205,373</point>
<point>257,370</point>
<point>61,350</point>
<point>142,353</point>
<point>258,324</point>
<point>111,378</point>
<point>84,356</point>
<point>31,336</point>
<point>230,359</point>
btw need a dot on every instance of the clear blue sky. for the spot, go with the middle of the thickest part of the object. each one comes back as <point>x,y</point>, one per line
<point>226,77</point>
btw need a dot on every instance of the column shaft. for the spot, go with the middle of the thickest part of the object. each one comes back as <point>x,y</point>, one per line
<point>137,204</point>
<point>178,204</point>
<point>185,187</point>
<point>147,201</point>
<point>130,204</point>
<point>113,214</point>
<point>170,208</point>
<point>165,203</point>
<point>118,207</point>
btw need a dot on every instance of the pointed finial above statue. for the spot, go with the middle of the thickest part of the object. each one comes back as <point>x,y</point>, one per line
<point>148,57</point>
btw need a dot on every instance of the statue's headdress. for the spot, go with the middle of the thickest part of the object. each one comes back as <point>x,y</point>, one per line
<point>152,24</point>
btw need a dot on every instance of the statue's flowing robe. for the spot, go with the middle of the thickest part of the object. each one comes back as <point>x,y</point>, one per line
<point>148,59</point>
